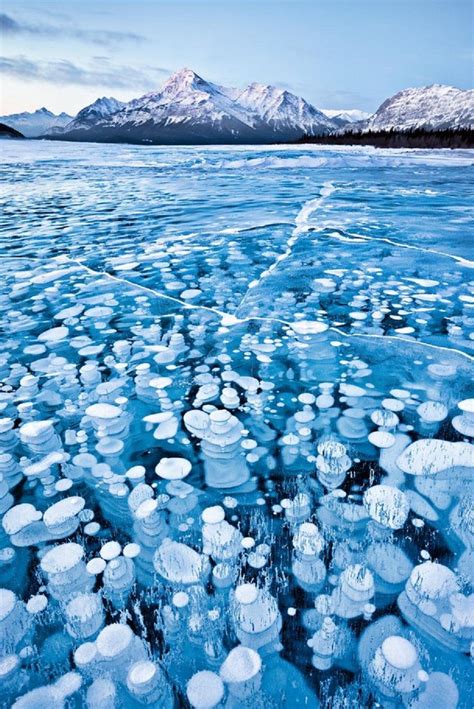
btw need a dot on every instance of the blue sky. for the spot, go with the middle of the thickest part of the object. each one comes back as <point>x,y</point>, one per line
<point>335,53</point>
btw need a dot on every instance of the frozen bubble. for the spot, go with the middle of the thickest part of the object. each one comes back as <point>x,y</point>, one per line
<point>62,511</point>
<point>113,640</point>
<point>246,593</point>
<point>464,423</point>
<point>351,390</point>
<point>382,439</point>
<point>7,602</point>
<point>179,563</point>
<point>110,550</point>
<point>205,690</point>
<point>103,411</point>
<point>213,515</point>
<point>248,542</point>
<point>385,418</point>
<point>35,430</point>
<point>8,665</point>
<point>62,558</point>
<point>400,393</point>
<point>241,664</point>
<point>160,382</point>
<point>399,652</point>
<point>85,654</point>
<point>432,411</point>
<point>36,604</point>
<point>54,334</point>
<point>101,694</point>
<point>387,505</point>
<point>96,566</point>
<point>395,405</point>
<point>131,550</point>
<point>430,456</point>
<point>63,485</point>
<point>308,540</point>
<point>19,517</point>
<point>309,327</point>
<point>433,581</point>
<point>141,674</point>
<point>180,599</point>
<point>190,293</point>
<point>173,468</point>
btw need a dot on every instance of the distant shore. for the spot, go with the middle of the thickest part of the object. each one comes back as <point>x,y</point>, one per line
<point>418,138</point>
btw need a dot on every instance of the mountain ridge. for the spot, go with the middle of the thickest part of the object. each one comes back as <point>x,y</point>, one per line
<point>433,107</point>
<point>35,123</point>
<point>188,109</point>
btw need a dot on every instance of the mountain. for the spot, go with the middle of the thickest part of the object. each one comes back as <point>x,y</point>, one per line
<point>34,124</point>
<point>343,117</point>
<point>190,110</point>
<point>8,132</point>
<point>435,107</point>
<point>284,111</point>
<point>95,112</point>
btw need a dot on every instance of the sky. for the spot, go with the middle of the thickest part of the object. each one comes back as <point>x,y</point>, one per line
<point>338,54</point>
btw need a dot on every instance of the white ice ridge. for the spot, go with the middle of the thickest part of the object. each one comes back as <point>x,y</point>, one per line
<point>396,338</point>
<point>301,226</point>
<point>348,236</point>
<point>229,319</point>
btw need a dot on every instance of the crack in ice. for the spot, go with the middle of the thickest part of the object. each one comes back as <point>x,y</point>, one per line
<point>302,226</point>
<point>396,338</point>
<point>341,234</point>
<point>230,320</point>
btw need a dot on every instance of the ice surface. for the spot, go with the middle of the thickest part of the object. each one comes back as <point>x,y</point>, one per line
<point>236,427</point>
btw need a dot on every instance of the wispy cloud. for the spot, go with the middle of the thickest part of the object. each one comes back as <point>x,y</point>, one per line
<point>101,72</point>
<point>10,26</point>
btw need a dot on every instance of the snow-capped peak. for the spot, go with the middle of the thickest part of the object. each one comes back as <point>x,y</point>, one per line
<point>280,107</point>
<point>431,107</point>
<point>35,123</point>
<point>184,80</point>
<point>95,112</point>
<point>348,115</point>
<point>188,108</point>
<point>102,107</point>
<point>185,97</point>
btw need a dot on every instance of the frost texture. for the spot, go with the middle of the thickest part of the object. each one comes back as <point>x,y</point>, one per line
<point>236,428</point>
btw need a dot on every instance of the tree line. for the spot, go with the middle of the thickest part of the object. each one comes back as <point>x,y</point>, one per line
<point>414,138</point>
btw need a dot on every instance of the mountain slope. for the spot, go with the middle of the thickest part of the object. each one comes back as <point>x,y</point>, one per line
<point>190,110</point>
<point>89,115</point>
<point>37,123</point>
<point>435,107</point>
<point>8,132</point>
<point>185,99</point>
<point>283,110</point>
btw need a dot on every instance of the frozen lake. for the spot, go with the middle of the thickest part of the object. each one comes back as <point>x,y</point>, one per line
<point>236,410</point>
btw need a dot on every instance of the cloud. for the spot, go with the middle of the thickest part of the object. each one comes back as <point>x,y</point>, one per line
<point>10,26</point>
<point>99,73</point>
